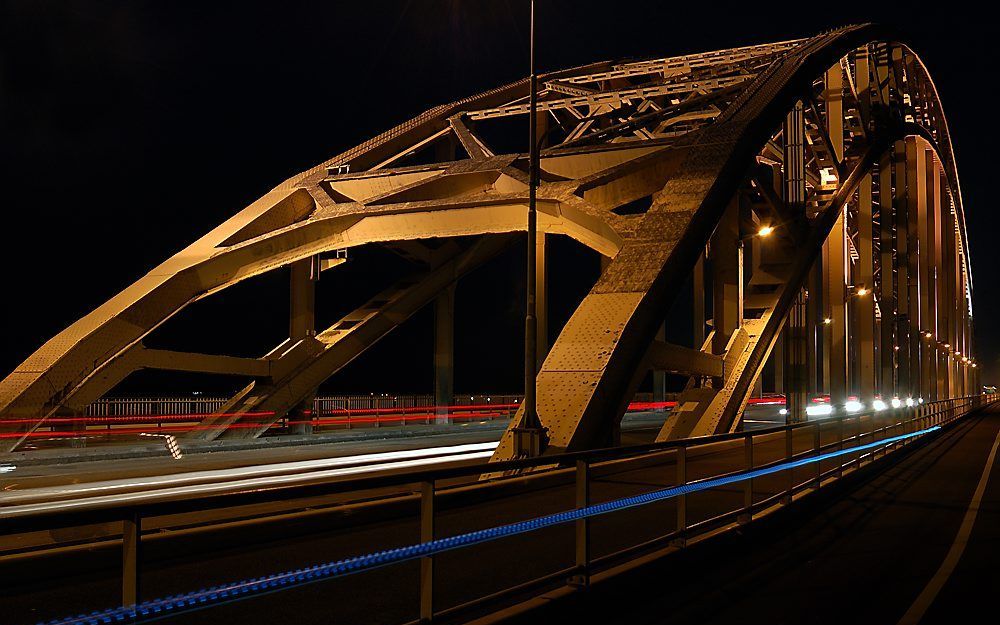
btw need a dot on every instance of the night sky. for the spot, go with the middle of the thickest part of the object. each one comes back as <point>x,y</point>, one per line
<point>129,129</point>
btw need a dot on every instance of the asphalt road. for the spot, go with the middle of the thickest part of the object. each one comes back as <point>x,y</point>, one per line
<point>63,583</point>
<point>862,554</point>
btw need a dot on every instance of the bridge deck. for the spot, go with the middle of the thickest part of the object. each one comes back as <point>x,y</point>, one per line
<point>859,554</point>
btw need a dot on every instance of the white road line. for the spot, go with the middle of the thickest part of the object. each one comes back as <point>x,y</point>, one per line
<point>930,592</point>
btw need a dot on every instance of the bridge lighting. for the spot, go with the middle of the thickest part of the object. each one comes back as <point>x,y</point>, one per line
<point>853,406</point>
<point>909,402</point>
<point>878,405</point>
<point>862,292</point>
<point>920,400</point>
<point>783,411</point>
<point>765,231</point>
<point>974,365</point>
<point>947,345</point>
<point>819,410</point>
<point>895,402</point>
<point>827,321</point>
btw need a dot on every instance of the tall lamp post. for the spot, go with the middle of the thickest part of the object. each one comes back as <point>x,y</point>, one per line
<point>529,434</point>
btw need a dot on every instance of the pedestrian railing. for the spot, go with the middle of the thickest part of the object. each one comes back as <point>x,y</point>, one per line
<point>770,467</point>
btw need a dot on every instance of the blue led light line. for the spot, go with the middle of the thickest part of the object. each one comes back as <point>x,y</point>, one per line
<point>159,608</point>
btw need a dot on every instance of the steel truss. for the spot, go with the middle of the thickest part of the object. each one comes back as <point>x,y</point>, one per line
<point>667,168</point>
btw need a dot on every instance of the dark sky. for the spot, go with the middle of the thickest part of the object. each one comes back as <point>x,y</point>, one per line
<point>128,129</point>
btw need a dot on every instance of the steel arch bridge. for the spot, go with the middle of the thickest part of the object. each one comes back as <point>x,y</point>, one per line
<point>672,169</point>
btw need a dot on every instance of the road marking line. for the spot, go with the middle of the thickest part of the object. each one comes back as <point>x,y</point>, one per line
<point>930,592</point>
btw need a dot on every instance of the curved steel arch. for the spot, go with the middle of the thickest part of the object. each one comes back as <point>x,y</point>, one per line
<point>682,130</point>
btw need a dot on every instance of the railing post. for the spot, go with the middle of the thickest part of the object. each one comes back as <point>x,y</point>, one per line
<point>582,577</point>
<point>131,557</point>
<point>680,458</point>
<point>871,458</point>
<point>840,446</point>
<point>789,454</point>
<point>816,446</point>
<point>747,515</point>
<point>427,562</point>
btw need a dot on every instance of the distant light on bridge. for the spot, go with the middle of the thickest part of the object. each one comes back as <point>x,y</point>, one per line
<point>819,410</point>
<point>909,402</point>
<point>878,405</point>
<point>895,402</point>
<point>827,321</point>
<point>765,231</point>
<point>853,406</point>
<point>862,292</point>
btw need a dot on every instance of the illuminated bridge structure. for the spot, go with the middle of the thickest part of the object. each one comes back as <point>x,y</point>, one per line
<point>805,190</point>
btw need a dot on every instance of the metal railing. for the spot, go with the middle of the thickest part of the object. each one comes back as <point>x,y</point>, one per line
<point>852,441</point>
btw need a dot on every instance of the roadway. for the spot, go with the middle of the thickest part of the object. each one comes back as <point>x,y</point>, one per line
<point>75,580</point>
<point>861,553</point>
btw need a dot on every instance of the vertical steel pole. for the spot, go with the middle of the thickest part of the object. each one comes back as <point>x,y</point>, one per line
<point>528,437</point>
<point>427,562</point>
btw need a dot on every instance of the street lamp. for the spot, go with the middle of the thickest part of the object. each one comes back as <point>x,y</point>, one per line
<point>529,434</point>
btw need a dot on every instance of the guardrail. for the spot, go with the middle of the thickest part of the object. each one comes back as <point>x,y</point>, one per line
<point>850,441</point>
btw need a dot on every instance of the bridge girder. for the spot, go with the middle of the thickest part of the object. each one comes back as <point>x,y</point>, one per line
<point>695,136</point>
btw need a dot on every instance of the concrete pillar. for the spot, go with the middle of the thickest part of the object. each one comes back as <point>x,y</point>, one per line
<point>302,324</point>
<point>444,353</point>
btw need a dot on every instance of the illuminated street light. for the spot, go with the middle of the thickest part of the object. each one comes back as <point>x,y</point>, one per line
<point>878,405</point>
<point>827,321</point>
<point>895,402</point>
<point>862,292</point>
<point>765,231</point>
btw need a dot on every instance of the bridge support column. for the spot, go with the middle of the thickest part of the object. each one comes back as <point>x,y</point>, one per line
<point>942,228</point>
<point>444,353</point>
<point>796,347</point>
<point>835,266</point>
<point>918,260</point>
<point>902,265</point>
<point>865,306</point>
<point>302,324</point>
<point>928,299</point>
<point>887,288</point>
<point>727,277</point>
<point>836,307</point>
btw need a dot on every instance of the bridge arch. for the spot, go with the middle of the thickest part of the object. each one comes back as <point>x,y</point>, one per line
<point>689,140</point>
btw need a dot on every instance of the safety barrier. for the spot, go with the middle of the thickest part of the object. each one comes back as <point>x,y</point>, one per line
<point>852,441</point>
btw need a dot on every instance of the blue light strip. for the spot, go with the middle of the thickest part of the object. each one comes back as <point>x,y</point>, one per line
<point>167,606</point>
